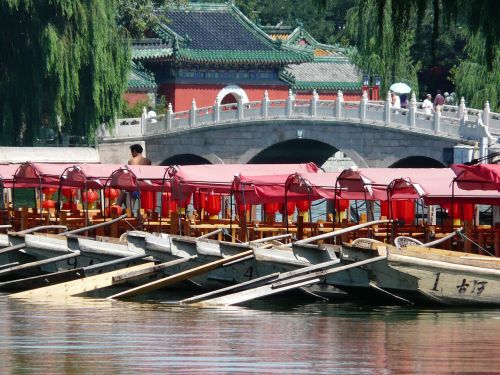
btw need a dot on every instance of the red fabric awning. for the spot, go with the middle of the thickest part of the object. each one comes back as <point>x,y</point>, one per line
<point>7,172</point>
<point>139,177</point>
<point>318,185</point>
<point>218,178</point>
<point>32,175</point>
<point>271,189</point>
<point>477,177</point>
<point>89,176</point>
<point>435,186</point>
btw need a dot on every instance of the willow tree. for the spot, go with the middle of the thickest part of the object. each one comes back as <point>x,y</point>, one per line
<point>64,63</point>
<point>385,53</point>
<point>390,21</point>
<point>477,78</point>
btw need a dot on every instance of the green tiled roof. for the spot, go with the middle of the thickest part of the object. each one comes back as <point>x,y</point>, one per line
<point>327,85</point>
<point>151,53</point>
<point>221,34</point>
<point>140,79</point>
<point>241,57</point>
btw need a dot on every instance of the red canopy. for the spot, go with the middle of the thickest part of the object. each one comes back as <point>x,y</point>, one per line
<point>477,177</point>
<point>218,178</point>
<point>369,183</point>
<point>87,176</point>
<point>317,185</point>
<point>31,175</point>
<point>7,172</point>
<point>436,186</point>
<point>272,188</point>
<point>144,177</point>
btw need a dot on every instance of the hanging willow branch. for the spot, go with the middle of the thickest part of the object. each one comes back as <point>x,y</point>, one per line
<point>62,61</point>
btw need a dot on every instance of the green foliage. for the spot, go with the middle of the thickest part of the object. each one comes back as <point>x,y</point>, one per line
<point>137,16</point>
<point>326,24</point>
<point>61,60</point>
<point>376,53</point>
<point>472,77</point>
<point>130,111</point>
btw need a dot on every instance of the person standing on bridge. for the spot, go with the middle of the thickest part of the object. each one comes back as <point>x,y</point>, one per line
<point>439,99</point>
<point>427,105</point>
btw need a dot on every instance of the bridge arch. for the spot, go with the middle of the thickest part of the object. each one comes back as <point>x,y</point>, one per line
<point>185,159</point>
<point>232,92</point>
<point>299,150</point>
<point>417,162</point>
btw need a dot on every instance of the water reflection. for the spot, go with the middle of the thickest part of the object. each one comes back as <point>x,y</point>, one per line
<point>80,335</point>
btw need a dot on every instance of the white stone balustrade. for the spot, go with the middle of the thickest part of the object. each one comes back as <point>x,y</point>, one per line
<point>449,121</point>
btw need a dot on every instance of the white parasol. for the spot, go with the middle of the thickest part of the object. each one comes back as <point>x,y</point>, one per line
<point>400,88</point>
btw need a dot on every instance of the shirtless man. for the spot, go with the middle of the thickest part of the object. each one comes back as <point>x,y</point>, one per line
<point>137,158</point>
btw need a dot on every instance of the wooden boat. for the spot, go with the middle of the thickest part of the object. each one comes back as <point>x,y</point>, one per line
<point>449,277</point>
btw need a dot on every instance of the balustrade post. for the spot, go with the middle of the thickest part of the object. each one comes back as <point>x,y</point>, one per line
<point>413,111</point>
<point>168,118</point>
<point>265,104</point>
<point>486,114</point>
<point>437,119</point>
<point>314,103</point>
<point>240,109</point>
<point>144,118</point>
<point>289,104</point>
<point>216,111</point>
<point>387,108</point>
<point>462,111</point>
<point>192,117</point>
<point>362,106</point>
<point>339,104</point>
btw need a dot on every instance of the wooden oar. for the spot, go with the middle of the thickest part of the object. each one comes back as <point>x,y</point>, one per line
<point>338,232</point>
<point>181,276</point>
<point>79,286</point>
<point>9,249</point>
<point>152,270</point>
<point>94,226</point>
<point>287,283</point>
<point>39,263</point>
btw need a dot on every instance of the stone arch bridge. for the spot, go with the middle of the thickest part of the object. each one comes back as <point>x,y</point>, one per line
<point>370,133</point>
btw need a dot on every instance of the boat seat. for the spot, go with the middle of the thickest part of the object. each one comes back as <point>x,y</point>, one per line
<point>403,241</point>
<point>365,243</point>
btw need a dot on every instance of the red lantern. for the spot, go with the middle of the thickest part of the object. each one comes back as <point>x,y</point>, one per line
<point>271,208</point>
<point>49,192</point>
<point>90,196</point>
<point>290,208</point>
<point>49,203</point>
<point>111,193</point>
<point>199,201</point>
<point>303,206</point>
<point>343,204</point>
<point>148,200</point>
<point>167,204</point>
<point>213,205</point>
<point>69,206</point>
<point>69,193</point>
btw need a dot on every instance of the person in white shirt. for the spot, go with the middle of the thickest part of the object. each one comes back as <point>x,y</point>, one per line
<point>427,105</point>
<point>395,101</point>
<point>151,114</point>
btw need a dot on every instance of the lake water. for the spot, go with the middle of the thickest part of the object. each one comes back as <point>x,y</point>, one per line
<point>90,336</point>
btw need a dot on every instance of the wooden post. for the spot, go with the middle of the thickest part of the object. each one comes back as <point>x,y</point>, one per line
<point>468,234</point>
<point>300,227</point>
